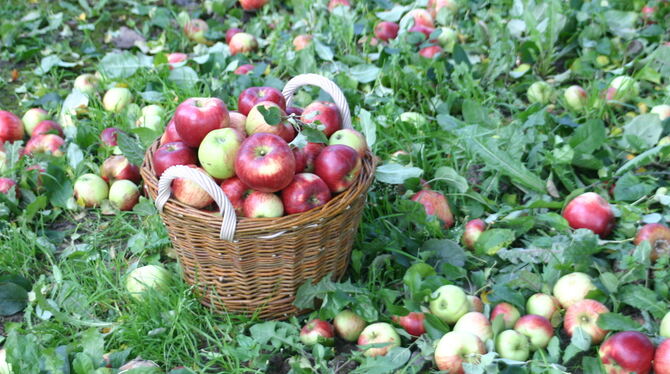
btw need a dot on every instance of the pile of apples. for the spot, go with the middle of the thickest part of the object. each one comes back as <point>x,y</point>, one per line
<point>261,173</point>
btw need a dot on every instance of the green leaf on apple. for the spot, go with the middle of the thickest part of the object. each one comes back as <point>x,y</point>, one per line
<point>271,115</point>
<point>313,135</point>
<point>493,240</point>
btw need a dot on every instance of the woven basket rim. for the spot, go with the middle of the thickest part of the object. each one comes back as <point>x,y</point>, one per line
<point>247,225</point>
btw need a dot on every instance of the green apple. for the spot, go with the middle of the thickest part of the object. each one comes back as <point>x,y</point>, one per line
<point>124,194</point>
<point>153,110</point>
<point>90,190</point>
<point>665,326</point>
<point>218,150</point>
<point>86,83</point>
<point>449,303</point>
<point>512,345</point>
<point>348,325</point>
<point>575,98</point>
<point>378,333</point>
<point>663,111</point>
<point>150,121</point>
<point>32,118</point>
<point>447,38</point>
<point>116,99</point>
<point>572,288</point>
<point>540,92</point>
<point>350,137</point>
<point>623,88</point>
<point>5,368</point>
<point>145,278</point>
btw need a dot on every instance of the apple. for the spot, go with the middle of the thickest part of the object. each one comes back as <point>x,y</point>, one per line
<point>307,191</point>
<point>447,38</point>
<point>190,193</point>
<point>473,229</point>
<point>32,117</point>
<point>658,236</point>
<point>151,117</point>
<point>250,5</point>
<point>662,358</point>
<point>255,95</point>
<point>456,348</point>
<point>86,84</point>
<point>572,288</point>
<point>513,345</point>
<point>294,110</point>
<point>265,163</point>
<point>590,211</point>
<point>378,333</point>
<point>236,191</point>
<point>119,168</point>
<point>238,121</point>
<point>145,278</point>
<point>170,154</point>
<point>425,30</point>
<point>544,305</point>
<point>90,190</point>
<point>386,30</point>
<point>124,194</point>
<point>109,136</point>
<point>627,352</point>
<point>648,12</point>
<point>449,303</point>
<point>540,92</point>
<point>575,98</point>
<point>116,99</point>
<point>47,127</point>
<point>218,150</point>
<point>6,184</point>
<point>11,127</point>
<point>664,329</point>
<point>170,135</point>
<point>300,159</point>
<point>537,328</point>
<point>435,204</point>
<point>244,69</point>
<point>475,323</point>
<point>5,367</point>
<point>663,111</point>
<point>412,323</point>
<point>350,137</point>
<point>421,17</point>
<point>317,331</point>
<point>175,59</point>
<point>431,51</point>
<point>510,314</point>
<point>475,304</point>
<point>585,314</point>
<point>196,29</point>
<point>332,4</point>
<point>242,42</point>
<point>434,6</point>
<point>312,151</point>
<point>256,123</point>
<point>623,88</point>
<point>348,325</point>
<point>231,32</point>
<point>196,117</point>
<point>339,166</point>
<point>136,364</point>
<point>45,143</point>
<point>302,41</point>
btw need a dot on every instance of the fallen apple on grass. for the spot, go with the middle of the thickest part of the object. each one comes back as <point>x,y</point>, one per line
<point>149,277</point>
<point>508,312</point>
<point>196,29</point>
<point>244,69</point>
<point>658,236</point>
<point>47,127</point>
<point>124,195</point>
<point>11,127</point>
<point>584,314</point>
<point>251,5</point>
<point>513,345</point>
<point>31,118</point>
<point>175,59</point>
<point>664,329</point>
<point>332,4</point>
<point>242,42</point>
<point>662,358</point>
<point>378,333</point>
<point>590,211</point>
<point>348,325</point>
<point>302,41</point>
<point>473,230</point>
<point>6,184</point>
<point>627,352</point>
<point>475,304</point>
<point>86,83</point>
<point>117,168</point>
<point>663,111</point>
<point>436,205</point>
<point>116,99</point>
<point>576,98</point>
<point>386,30</point>
<point>48,143</point>
<point>449,303</point>
<point>456,348</point>
<point>546,306</point>
<point>413,323</point>
<point>540,92</point>
<point>572,288</point>
<point>317,331</point>
<point>420,17</point>
<point>475,323</point>
<point>90,190</point>
<point>537,328</point>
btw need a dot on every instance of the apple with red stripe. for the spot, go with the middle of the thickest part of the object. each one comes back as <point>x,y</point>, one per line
<point>436,205</point>
<point>585,314</point>
<point>171,154</point>
<point>124,195</point>
<point>32,117</point>
<point>627,352</point>
<point>590,211</point>
<point>339,166</point>
<point>386,30</point>
<point>324,112</point>
<point>242,42</point>
<point>508,312</point>
<point>456,348</point>
<point>413,323</point>
<point>170,135</point>
<point>48,143</point>
<point>47,127</point>
<point>537,328</point>
<point>196,29</point>
<point>262,205</point>
<point>348,325</point>
<point>256,122</point>
<point>255,95</point>
<point>6,184</point>
<point>118,168</point>
<point>196,117</point>
<point>265,163</point>
<point>190,193</point>
<point>317,331</point>
<point>307,191</point>
<point>11,127</point>
<point>237,192</point>
<point>251,5</point>
<point>473,230</point>
<point>658,236</point>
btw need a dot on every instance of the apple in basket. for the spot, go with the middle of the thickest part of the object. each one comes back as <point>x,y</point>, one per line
<point>265,162</point>
<point>238,121</point>
<point>254,95</point>
<point>262,205</point>
<point>196,117</point>
<point>350,137</point>
<point>218,150</point>
<point>236,192</point>
<point>339,166</point>
<point>256,122</point>
<point>170,135</point>
<point>190,193</point>
<point>306,191</point>
<point>311,151</point>
<point>170,154</point>
<point>324,112</point>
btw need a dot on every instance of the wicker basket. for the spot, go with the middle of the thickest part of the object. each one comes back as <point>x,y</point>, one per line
<point>255,266</point>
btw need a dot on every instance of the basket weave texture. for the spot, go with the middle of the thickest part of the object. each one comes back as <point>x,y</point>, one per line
<point>260,271</point>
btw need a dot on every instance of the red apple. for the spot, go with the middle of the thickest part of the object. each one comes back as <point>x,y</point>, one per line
<point>196,29</point>
<point>475,323</point>
<point>170,154</point>
<point>255,95</point>
<point>175,59</point>
<point>658,236</point>
<point>300,159</point>
<point>339,166</point>
<point>236,191</point>
<point>425,30</point>
<point>537,328</point>
<point>262,205</point>
<point>265,162</point>
<point>11,127</point>
<point>312,151</point>
<point>242,42</point>
<point>256,123</point>
<point>190,193</point>
<point>196,117</point>
<point>473,229</point>
<point>238,121</point>
<point>302,41</point>
<point>585,314</point>
<point>231,32</point>
<point>294,110</point>
<point>431,51</point>
<point>244,69</point>
<point>590,211</point>
<point>306,191</point>
<point>47,127</point>
<point>332,4</point>
<point>317,331</point>
<point>6,184</point>
<point>412,323</point>
<point>421,17</point>
<point>662,358</point>
<point>435,204</point>
<point>510,314</point>
<point>627,352</point>
<point>109,136</point>
<point>250,5</point>
<point>170,135</point>
<point>32,117</point>
<point>378,333</point>
<point>386,30</point>
<point>350,137</point>
<point>456,348</point>
<point>324,112</point>
<point>348,325</point>
<point>124,195</point>
<point>45,143</point>
<point>118,168</point>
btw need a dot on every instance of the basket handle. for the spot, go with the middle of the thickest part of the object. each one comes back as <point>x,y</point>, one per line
<point>229,221</point>
<point>325,84</point>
